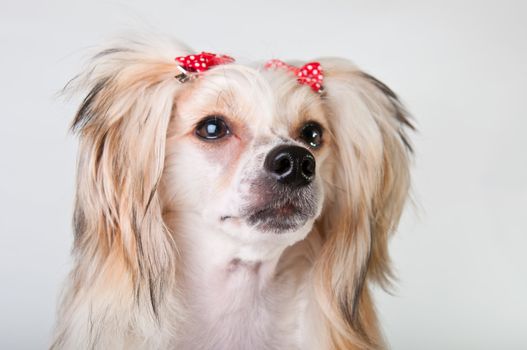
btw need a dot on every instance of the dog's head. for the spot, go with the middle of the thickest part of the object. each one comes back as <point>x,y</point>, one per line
<point>246,150</point>
<point>247,153</point>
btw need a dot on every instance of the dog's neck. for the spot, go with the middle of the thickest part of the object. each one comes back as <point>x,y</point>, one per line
<point>214,262</point>
<point>239,292</point>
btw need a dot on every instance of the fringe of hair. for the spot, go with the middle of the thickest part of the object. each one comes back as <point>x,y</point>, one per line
<point>369,131</point>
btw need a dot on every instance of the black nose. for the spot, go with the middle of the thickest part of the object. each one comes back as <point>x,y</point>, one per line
<point>291,165</point>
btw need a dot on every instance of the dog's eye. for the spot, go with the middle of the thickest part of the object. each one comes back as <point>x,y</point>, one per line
<point>311,134</point>
<point>212,128</point>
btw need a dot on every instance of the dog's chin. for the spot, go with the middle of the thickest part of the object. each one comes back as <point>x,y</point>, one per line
<point>263,231</point>
<point>278,218</point>
<point>281,216</point>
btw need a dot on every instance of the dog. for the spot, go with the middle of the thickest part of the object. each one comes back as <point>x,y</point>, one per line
<point>222,205</point>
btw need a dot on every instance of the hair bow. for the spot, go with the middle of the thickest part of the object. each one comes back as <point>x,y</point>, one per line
<point>309,74</point>
<point>198,63</point>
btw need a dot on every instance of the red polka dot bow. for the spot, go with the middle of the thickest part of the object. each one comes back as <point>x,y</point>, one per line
<point>309,74</point>
<point>202,62</point>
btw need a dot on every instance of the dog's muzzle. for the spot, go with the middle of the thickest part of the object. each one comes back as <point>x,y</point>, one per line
<point>286,194</point>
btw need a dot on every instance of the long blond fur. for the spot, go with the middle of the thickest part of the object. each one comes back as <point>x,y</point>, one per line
<point>120,293</point>
<point>368,191</point>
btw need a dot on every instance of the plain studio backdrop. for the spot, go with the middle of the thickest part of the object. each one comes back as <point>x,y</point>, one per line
<point>460,66</point>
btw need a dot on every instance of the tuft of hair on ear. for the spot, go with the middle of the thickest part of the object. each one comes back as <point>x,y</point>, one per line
<point>367,193</point>
<point>123,276</point>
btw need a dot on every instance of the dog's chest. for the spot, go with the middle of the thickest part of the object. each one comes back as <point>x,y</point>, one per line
<point>243,306</point>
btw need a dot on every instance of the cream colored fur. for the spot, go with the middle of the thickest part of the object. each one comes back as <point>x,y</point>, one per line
<point>155,266</point>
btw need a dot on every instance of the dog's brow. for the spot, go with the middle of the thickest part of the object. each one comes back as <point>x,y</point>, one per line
<point>224,99</point>
<point>221,98</point>
<point>309,110</point>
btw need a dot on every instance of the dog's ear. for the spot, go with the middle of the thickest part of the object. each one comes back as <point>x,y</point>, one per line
<point>124,254</point>
<point>365,200</point>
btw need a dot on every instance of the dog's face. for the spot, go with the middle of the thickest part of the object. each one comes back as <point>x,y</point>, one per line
<point>247,152</point>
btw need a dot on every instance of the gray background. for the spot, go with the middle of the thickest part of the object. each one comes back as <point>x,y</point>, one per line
<point>460,66</point>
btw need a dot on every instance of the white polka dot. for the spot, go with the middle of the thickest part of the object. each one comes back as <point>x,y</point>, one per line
<point>310,67</point>
<point>315,71</point>
<point>196,64</point>
<point>192,57</point>
<point>320,76</point>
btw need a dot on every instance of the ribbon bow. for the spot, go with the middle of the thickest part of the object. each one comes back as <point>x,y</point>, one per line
<point>198,63</point>
<point>309,74</point>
